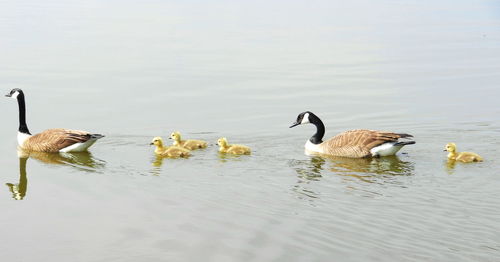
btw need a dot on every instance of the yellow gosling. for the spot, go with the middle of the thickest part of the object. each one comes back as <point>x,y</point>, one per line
<point>224,147</point>
<point>466,157</point>
<point>169,151</point>
<point>188,144</point>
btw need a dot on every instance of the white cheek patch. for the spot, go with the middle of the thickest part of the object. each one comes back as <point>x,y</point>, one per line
<point>305,119</point>
<point>15,95</point>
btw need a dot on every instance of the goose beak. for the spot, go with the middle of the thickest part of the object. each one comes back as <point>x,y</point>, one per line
<point>8,95</point>
<point>294,124</point>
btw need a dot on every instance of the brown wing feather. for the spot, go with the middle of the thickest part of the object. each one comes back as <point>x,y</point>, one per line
<point>358,143</point>
<point>53,140</point>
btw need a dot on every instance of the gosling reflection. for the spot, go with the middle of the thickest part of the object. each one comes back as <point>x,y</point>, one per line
<point>450,166</point>
<point>158,161</point>
<point>223,157</point>
<point>19,190</point>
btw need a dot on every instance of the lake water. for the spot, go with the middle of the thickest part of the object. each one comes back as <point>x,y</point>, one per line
<point>132,70</point>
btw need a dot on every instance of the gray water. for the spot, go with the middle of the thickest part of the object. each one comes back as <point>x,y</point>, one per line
<point>132,70</point>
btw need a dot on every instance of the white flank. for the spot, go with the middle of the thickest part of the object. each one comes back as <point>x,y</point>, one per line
<point>78,147</point>
<point>387,149</point>
<point>305,119</point>
<point>312,147</point>
<point>21,138</point>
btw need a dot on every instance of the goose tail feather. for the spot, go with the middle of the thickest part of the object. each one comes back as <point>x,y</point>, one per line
<point>404,143</point>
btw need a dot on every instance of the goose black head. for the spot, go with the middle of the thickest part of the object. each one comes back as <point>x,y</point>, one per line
<point>14,93</point>
<point>303,118</point>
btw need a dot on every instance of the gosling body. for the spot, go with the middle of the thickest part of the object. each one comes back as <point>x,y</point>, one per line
<point>190,144</point>
<point>169,151</point>
<point>466,157</point>
<point>225,147</point>
<point>359,143</point>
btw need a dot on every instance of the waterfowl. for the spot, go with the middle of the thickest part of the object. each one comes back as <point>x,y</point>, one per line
<point>224,147</point>
<point>168,151</point>
<point>466,157</point>
<point>51,140</point>
<point>188,144</point>
<point>357,143</point>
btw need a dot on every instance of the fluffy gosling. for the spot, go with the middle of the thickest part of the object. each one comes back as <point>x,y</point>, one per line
<point>224,147</point>
<point>466,157</point>
<point>188,144</point>
<point>169,151</point>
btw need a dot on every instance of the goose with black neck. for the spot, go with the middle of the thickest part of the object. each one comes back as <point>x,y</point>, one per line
<point>357,143</point>
<point>51,140</point>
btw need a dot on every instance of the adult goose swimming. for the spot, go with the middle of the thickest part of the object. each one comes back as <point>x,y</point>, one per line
<point>357,143</point>
<point>51,140</point>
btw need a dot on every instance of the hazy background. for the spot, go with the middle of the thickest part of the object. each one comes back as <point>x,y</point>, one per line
<point>244,69</point>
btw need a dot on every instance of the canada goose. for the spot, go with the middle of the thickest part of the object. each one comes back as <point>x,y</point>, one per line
<point>466,157</point>
<point>51,140</point>
<point>232,149</point>
<point>354,143</point>
<point>188,144</point>
<point>168,151</point>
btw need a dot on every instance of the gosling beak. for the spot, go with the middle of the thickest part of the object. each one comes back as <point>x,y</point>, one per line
<point>169,138</point>
<point>151,144</point>
<point>294,124</point>
<point>444,150</point>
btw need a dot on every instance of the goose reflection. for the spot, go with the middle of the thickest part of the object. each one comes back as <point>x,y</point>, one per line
<point>367,170</point>
<point>371,170</point>
<point>19,190</point>
<point>310,169</point>
<point>307,171</point>
<point>83,161</point>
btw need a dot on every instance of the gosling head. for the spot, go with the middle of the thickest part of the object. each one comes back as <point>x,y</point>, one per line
<point>450,147</point>
<point>222,142</point>
<point>157,141</point>
<point>175,136</point>
<point>304,118</point>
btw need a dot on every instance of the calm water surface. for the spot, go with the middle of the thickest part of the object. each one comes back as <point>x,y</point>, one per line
<point>135,70</point>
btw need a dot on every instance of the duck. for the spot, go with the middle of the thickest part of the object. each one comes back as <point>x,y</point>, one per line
<point>466,157</point>
<point>225,147</point>
<point>188,144</point>
<point>358,143</point>
<point>169,151</point>
<point>51,140</point>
